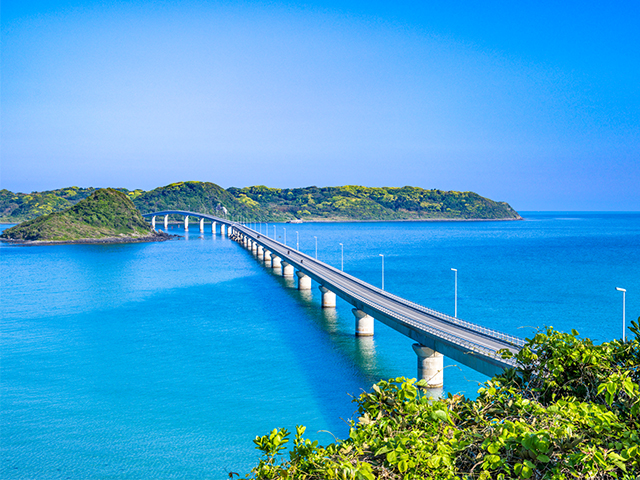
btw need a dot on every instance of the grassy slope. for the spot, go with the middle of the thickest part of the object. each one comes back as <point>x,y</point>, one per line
<point>105,213</point>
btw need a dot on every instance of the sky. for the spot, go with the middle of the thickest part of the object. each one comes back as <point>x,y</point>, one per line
<point>532,103</point>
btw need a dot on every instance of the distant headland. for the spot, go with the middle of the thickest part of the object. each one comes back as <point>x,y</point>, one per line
<point>105,216</point>
<point>263,204</point>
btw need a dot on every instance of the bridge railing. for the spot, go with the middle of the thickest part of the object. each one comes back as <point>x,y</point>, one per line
<point>496,334</point>
<point>437,332</point>
<point>510,339</point>
<point>463,323</point>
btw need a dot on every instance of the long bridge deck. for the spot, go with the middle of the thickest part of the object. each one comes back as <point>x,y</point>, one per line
<point>470,344</point>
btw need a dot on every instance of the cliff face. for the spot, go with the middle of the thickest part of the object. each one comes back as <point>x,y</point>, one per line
<point>105,214</point>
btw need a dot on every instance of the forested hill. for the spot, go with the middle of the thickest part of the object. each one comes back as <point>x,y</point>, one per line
<point>260,203</point>
<point>367,203</point>
<point>106,214</point>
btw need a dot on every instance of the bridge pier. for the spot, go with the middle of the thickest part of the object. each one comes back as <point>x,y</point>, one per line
<point>328,297</point>
<point>276,261</point>
<point>287,269</point>
<point>267,258</point>
<point>223,229</point>
<point>430,365</point>
<point>166,223</point>
<point>254,248</point>
<point>364,323</point>
<point>202,225</point>
<point>304,281</point>
<point>153,222</point>
<point>260,252</point>
<point>186,223</point>
<point>213,227</point>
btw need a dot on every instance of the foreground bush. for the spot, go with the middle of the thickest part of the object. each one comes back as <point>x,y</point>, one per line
<point>571,409</point>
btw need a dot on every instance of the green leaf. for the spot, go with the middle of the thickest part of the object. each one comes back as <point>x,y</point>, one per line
<point>543,458</point>
<point>440,415</point>
<point>493,447</point>
<point>382,450</point>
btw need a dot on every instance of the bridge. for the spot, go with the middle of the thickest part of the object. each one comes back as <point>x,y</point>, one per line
<point>436,333</point>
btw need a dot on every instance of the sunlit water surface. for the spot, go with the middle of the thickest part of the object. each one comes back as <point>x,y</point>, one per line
<point>165,360</point>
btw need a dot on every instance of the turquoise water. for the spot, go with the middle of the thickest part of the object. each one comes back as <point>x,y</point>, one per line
<point>165,360</point>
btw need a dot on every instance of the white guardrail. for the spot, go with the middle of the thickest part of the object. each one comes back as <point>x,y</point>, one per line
<point>437,332</point>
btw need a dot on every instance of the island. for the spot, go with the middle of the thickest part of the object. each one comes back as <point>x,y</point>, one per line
<point>350,203</point>
<point>105,216</point>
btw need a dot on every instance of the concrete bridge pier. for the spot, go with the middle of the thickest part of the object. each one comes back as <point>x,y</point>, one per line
<point>267,258</point>
<point>430,365</point>
<point>287,270</point>
<point>153,222</point>
<point>186,223</point>
<point>304,281</point>
<point>166,223</point>
<point>328,297</point>
<point>254,248</point>
<point>202,225</point>
<point>213,227</point>
<point>260,252</point>
<point>276,261</point>
<point>223,229</point>
<point>364,323</point>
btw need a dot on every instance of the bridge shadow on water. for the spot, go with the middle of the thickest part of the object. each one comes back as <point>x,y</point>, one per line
<point>336,328</point>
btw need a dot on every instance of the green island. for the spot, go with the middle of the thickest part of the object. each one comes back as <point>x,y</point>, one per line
<point>262,204</point>
<point>569,410</point>
<point>104,216</point>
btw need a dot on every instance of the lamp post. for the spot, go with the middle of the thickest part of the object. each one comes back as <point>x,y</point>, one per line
<point>382,270</point>
<point>455,271</point>
<point>274,233</point>
<point>342,257</point>
<point>316,246</point>
<point>624,294</point>
<point>297,241</point>
<point>285,236</point>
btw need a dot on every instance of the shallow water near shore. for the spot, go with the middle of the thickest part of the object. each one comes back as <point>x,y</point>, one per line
<point>165,360</point>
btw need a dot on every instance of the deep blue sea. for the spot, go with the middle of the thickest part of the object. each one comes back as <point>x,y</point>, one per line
<point>165,360</point>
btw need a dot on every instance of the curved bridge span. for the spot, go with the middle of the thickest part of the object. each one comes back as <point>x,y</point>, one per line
<point>436,333</point>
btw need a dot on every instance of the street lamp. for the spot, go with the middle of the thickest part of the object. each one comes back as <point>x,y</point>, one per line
<point>624,294</point>
<point>342,257</point>
<point>316,246</point>
<point>285,235</point>
<point>274,233</point>
<point>297,241</point>
<point>456,292</point>
<point>382,270</point>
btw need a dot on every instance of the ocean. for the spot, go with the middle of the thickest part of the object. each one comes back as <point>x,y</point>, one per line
<point>165,360</point>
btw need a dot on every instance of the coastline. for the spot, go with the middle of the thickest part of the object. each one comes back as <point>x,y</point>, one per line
<point>157,237</point>
<point>351,220</point>
<point>333,220</point>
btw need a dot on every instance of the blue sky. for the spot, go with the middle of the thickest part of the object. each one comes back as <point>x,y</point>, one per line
<point>533,103</point>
